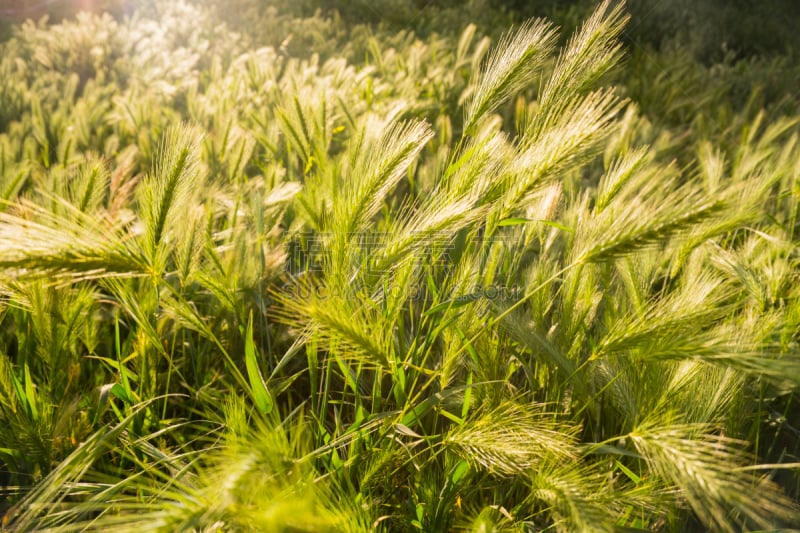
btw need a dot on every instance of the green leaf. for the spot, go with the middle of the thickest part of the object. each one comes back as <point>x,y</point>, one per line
<point>628,472</point>
<point>453,303</point>
<point>30,393</point>
<point>258,387</point>
<point>120,392</point>
<point>459,471</point>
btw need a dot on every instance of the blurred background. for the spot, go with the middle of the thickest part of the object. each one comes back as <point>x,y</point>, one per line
<point>20,10</point>
<point>711,29</point>
<point>681,55</point>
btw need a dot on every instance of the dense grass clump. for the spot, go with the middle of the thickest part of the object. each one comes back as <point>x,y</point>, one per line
<point>387,283</point>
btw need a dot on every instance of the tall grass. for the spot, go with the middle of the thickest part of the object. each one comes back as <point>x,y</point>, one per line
<point>247,291</point>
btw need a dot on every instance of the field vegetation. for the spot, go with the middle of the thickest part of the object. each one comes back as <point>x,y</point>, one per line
<point>270,266</point>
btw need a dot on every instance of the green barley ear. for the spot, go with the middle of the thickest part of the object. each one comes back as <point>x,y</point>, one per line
<point>71,244</point>
<point>620,172</point>
<point>642,213</point>
<point>512,439</point>
<point>89,185</point>
<point>378,160</point>
<point>13,177</point>
<point>381,161</point>
<point>565,142</point>
<point>509,69</point>
<point>191,243</point>
<point>570,490</point>
<point>708,471</point>
<point>589,54</point>
<point>166,192</point>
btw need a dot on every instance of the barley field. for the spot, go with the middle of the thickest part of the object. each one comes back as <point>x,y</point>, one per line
<point>387,266</point>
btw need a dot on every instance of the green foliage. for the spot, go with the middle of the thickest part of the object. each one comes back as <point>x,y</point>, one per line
<point>364,280</point>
